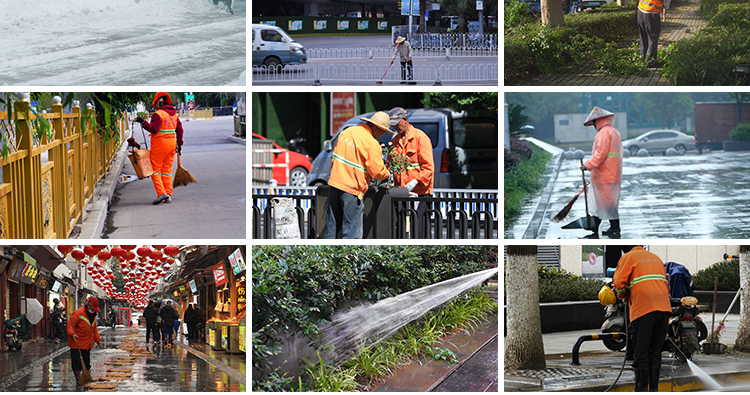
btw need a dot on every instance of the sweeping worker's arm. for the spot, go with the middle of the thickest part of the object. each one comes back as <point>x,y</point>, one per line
<point>155,124</point>
<point>178,132</point>
<point>621,280</point>
<point>600,151</point>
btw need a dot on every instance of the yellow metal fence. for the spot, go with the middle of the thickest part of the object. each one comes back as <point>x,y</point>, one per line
<point>47,182</point>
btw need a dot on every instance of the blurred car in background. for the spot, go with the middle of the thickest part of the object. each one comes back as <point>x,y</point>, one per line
<point>299,165</point>
<point>660,141</point>
<point>464,149</point>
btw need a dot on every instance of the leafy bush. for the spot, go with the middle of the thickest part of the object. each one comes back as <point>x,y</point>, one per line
<point>711,56</point>
<point>522,181</point>
<point>299,287</point>
<point>727,271</point>
<point>517,13</point>
<point>556,285</point>
<point>740,133</point>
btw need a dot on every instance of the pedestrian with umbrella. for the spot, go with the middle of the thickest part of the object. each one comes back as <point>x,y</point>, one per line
<point>605,166</point>
<point>191,319</point>
<point>168,316</point>
<point>152,329</point>
<point>82,334</point>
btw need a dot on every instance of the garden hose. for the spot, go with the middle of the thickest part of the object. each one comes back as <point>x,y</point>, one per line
<point>625,358</point>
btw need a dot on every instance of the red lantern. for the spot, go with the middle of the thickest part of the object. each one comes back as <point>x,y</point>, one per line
<point>65,250</point>
<point>128,248</point>
<point>99,248</point>
<point>124,272</point>
<point>77,255</point>
<point>123,264</point>
<point>156,255</point>
<point>133,264</point>
<point>144,252</point>
<point>84,261</point>
<point>170,261</point>
<point>90,251</point>
<point>118,252</point>
<point>158,247</point>
<point>167,266</point>
<point>130,256</point>
<point>104,255</point>
<point>172,250</point>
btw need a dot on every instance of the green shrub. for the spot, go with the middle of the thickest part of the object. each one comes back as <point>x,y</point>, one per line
<point>727,271</point>
<point>556,285</point>
<point>709,8</point>
<point>740,133</point>
<point>711,56</point>
<point>522,181</point>
<point>517,13</point>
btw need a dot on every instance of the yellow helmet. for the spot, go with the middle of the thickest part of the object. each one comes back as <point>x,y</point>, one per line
<point>607,296</point>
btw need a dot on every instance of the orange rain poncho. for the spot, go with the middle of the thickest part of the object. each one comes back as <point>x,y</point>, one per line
<point>606,170</point>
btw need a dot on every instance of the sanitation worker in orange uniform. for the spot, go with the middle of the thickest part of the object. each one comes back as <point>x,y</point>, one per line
<point>419,176</point>
<point>640,277</point>
<point>356,159</point>
<point>649,28</point>
<point>82,334</point>
<point>605,166</point>
<point>166,140</point>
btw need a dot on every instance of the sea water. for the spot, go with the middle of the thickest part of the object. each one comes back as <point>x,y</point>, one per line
<point>122,42</point>
<point>378,321</point>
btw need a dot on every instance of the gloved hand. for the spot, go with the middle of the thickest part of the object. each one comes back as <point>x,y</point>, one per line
<point>179,149</point>
<point>411,184</point>
<point>412,194</point>
<point>139,119</point>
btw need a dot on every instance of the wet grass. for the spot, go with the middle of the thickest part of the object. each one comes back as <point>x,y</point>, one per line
<point>521,182</point>
<point>414,342</point>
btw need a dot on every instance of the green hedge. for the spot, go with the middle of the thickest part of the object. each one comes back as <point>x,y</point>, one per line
<point>522,181</point>
<point>711,56</point>
<point>727,271</point>
<point>557,285</point>
<point>299,287</point>
<point>740,133</point>
<point>603,35</point>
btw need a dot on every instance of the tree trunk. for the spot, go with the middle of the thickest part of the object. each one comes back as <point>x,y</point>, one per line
<point>743,333</point>
<point>524,347</point>
<point>422,19</point>
<point>552,13</point>
<point>461,24</point>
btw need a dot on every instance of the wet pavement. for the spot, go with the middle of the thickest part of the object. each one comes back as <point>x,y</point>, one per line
<point>476,372</point>
<point>45,366</point>
<point>679,197</point>
<point>600,367</point>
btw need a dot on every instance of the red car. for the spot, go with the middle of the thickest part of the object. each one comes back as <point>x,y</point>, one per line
<point>299,166</point>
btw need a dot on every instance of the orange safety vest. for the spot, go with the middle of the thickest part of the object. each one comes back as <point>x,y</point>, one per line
<point>168,124</point>
<point>356,158</point>
<point>416,146</point>
<point>651,5</point>
<point>87,332</point>
<point>640,276</point>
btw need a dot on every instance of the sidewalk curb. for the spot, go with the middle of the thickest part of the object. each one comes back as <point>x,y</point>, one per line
<point>95,213</point>
<point>238,140</point>
<point>228,370</point>
<point>532,231</point>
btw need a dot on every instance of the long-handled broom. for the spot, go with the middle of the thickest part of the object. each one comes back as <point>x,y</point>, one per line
<point>182,177</point>
<point>85,374</point>
<point>566,210</point>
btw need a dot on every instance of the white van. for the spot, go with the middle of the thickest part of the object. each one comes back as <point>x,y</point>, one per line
<point>272,47</point>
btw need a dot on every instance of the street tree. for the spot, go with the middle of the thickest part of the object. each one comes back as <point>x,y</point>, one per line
<point>475,104</point>
<point>516,118</point>
<point>666,107</point>
<point>739,98</point>
<point>552,13</point>
<point>743,333</point>
<point>524,346</point>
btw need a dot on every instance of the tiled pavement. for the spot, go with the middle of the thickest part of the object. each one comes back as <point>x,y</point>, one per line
<point>682,21</point>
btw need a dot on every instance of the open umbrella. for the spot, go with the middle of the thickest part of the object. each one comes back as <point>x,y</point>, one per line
<point>34,311</point>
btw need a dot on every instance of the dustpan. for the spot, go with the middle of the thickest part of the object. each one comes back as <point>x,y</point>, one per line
<point>588,221</point>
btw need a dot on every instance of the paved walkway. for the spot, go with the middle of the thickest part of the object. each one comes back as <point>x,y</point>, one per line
<point>682,21</point>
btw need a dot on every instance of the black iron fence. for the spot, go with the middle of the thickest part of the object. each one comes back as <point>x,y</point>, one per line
<point>450,214</point>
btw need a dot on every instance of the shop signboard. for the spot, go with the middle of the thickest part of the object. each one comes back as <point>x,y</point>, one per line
<point>220,276</point>
<point>237,262</point>
<point>56,286</point>
<point>212,337</point>
<point>242,338</point>
<point>3,264</point>
<point>225,337</point>
<point>240,299</point>
<point>343,108</point>
<point>193,286</point>
<point>24,271</point>
<point>42,281</point>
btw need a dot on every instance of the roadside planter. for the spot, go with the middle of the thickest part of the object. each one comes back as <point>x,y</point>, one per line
<point>570,316</point>
<point>736,145</point>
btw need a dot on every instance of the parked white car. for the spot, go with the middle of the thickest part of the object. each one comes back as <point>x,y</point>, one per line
<point>660,141</point>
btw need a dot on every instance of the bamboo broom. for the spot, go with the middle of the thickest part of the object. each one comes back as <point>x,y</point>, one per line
<point>182,177</point>
<point>85,374</point>
<point>566,210</point>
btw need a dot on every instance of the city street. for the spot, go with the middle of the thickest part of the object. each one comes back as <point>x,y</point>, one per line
<point>680,197</point>
<point>45,366</point>
<point>212,208</point>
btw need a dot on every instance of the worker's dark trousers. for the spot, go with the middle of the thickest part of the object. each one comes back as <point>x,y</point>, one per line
<point>421,209</point>
<point>650,331</point>
<point>649,27</point>
<point>407,71</point>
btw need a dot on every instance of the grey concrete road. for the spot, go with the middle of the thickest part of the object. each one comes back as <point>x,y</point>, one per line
<point>213,208</point>
<point>344,41</point>
<point>681,197</point>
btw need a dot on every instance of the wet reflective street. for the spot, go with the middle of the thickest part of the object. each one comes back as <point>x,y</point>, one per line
<point>45,366</point>
<point>682,197</point>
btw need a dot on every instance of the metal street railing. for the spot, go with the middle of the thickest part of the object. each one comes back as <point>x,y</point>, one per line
<point>386,53</point>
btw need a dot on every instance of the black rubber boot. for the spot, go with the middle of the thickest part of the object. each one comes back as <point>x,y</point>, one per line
<point>77,373</point>
<point>641,380</point>
<point>653,380</point>
<point>614,227</point>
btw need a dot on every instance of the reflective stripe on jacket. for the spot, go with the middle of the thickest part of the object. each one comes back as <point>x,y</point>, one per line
<point>87,333</point>
<point>651,5</point>
<point>640,276</point>
<point>356,158</point>
<point>416,146</point>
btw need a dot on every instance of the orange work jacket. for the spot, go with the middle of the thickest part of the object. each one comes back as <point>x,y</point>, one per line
<point>356,158</point>
<point>416,146</point>
<point>651,5</point>
<point>86,331</point>
<point>168,126</point>
<point>606,156</point>
<point>640,276</point>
